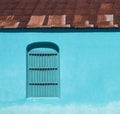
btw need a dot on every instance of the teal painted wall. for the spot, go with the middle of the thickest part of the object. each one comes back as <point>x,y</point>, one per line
<point>89,68</point>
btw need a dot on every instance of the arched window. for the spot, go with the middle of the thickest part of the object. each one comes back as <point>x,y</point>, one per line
<point>43,76</point>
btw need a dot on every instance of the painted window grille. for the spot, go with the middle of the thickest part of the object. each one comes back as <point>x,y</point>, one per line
<point>43,72</point>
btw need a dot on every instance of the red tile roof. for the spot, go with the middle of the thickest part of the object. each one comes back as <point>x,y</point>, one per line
<point>59,13</point>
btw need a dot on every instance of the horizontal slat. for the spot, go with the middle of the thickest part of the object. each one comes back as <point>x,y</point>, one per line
<point>43,84</point>
<point>42,69</point>
<point>52,54</point>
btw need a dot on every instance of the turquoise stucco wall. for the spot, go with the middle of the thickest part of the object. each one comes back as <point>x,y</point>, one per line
<point>89,66</point>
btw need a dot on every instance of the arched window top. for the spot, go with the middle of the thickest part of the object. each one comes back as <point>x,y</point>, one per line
<point>42,45</point>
